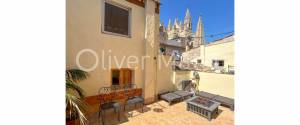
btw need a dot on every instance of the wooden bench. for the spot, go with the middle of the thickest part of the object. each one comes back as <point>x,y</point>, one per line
<point>120,96</point>
<point>227,102</point>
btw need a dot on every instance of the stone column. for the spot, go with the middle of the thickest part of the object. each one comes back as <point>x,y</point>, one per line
<point>151,51</point>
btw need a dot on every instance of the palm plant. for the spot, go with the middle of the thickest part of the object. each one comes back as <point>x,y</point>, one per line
<point>75,106</point>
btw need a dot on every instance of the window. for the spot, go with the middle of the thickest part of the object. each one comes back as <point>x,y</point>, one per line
<point>199,61</point>
<point>121,76</point>
<point>116,19</point>
<point>218,63</point>
<point>115,77</point>
<point>221,62</point>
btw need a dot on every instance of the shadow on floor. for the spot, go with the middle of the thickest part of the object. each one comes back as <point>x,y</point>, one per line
<point>216,115</point>
<point>160,113</point>
<point>110,118</point>
<point>158,104</point>
<point>158,110</point>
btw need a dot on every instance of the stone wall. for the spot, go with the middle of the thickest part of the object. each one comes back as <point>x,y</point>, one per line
<point>221,84</point>
<point>165,77</point>
<point>190,55</point>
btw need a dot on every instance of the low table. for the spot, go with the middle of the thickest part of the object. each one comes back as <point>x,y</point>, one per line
<point>202,106</point>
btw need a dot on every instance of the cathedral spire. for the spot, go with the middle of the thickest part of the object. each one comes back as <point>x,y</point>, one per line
<point>200,32</point>
<point>170,25</point>
<point>187,23</point>
<point>180,26</point>
<point>176,21</point>
<point>187,14</point>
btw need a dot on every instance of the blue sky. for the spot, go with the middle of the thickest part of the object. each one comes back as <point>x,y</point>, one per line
<point>217,15</point>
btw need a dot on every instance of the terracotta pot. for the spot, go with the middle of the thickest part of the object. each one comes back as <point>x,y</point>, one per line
<point>71,122</point>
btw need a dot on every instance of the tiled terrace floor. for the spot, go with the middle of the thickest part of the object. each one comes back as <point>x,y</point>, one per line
<point>160,113</point>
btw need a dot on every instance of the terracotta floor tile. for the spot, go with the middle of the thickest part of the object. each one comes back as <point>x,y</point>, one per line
<point>160,113</point>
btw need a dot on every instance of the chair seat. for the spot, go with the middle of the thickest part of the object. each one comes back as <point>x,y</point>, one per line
<point>135,100</point>
<point>183,94</point>
<point>109,105</point>
<point>170,97</point>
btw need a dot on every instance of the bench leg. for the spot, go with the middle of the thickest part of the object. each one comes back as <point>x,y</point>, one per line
<point>231,108</point>
<point>102,116</point>
<point>119,115</point>
<point>210,116</point>
<point>100,112</point>
<point>143,107</point>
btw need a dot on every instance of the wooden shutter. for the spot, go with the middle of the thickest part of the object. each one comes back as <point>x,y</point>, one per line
<point>125,76</point>
<point>116,19</point>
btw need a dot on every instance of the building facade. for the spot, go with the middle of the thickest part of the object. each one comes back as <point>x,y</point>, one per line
<point>219,54</point>
<point>102,33</point>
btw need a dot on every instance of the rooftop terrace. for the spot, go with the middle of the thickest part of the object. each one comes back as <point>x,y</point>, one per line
<point>160,113</point>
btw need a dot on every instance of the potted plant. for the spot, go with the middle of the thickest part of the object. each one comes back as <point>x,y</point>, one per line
<point>196,75</point>
<point>76,108</point>
<point>197,79</point>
